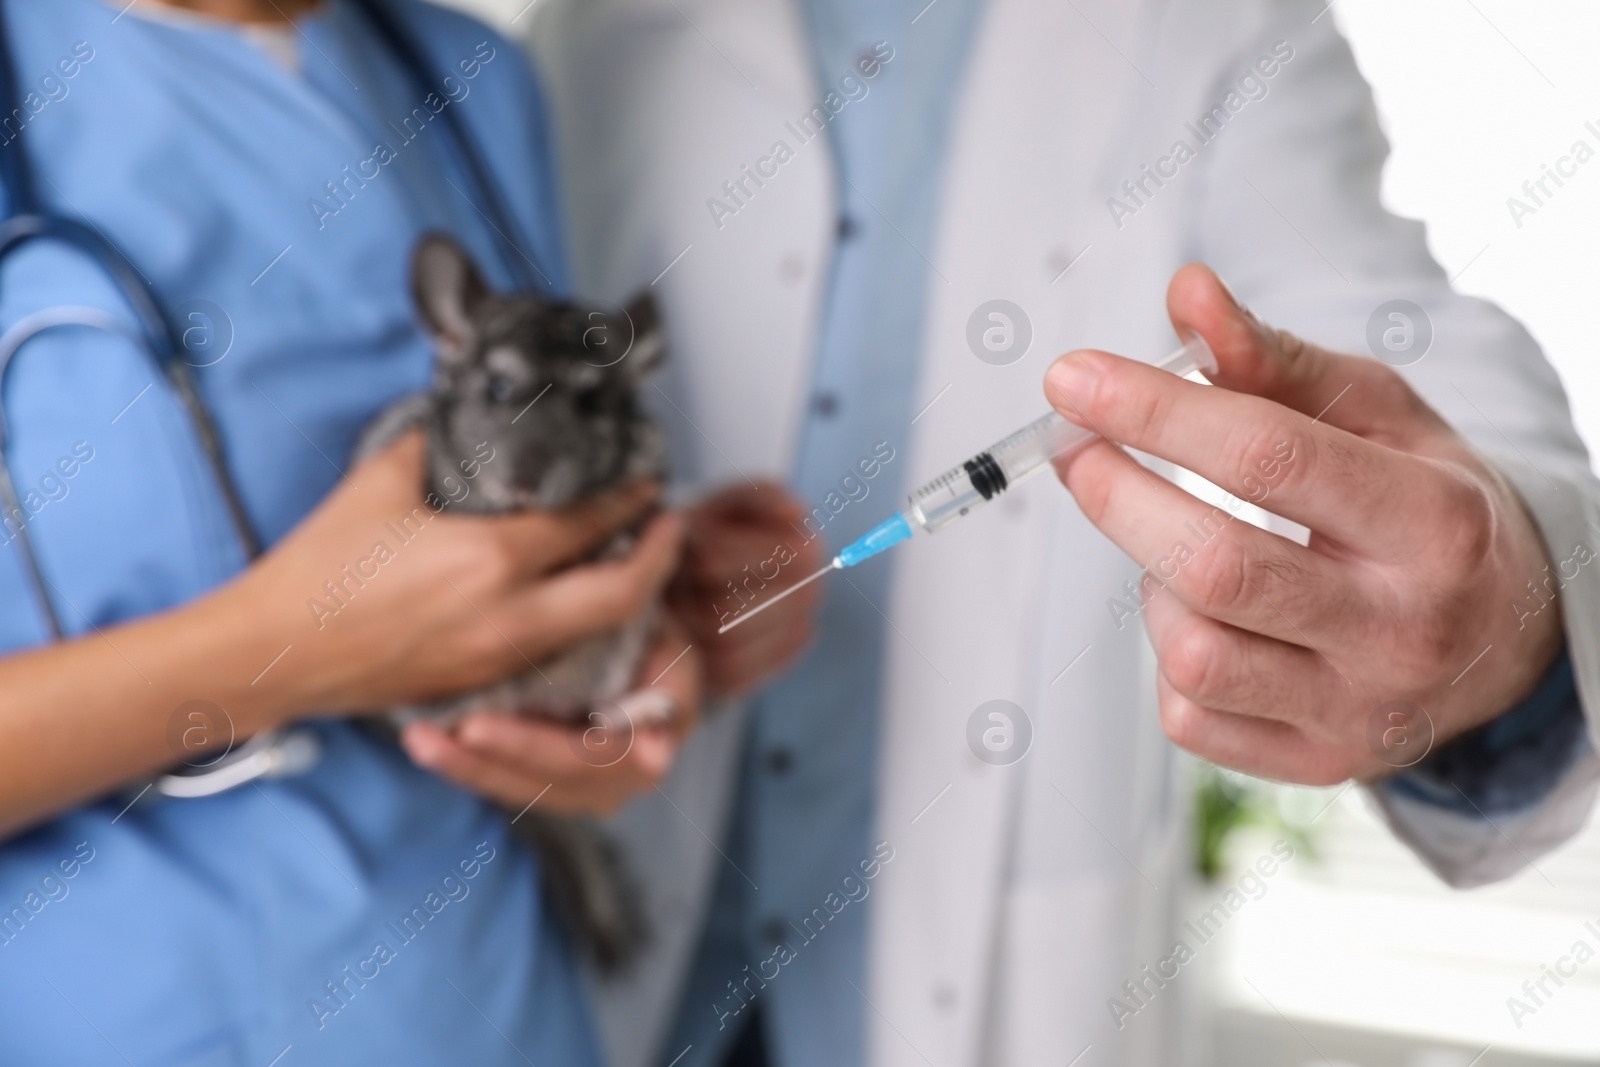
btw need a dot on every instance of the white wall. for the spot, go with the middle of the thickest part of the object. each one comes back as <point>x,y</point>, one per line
<point>1477,96</point>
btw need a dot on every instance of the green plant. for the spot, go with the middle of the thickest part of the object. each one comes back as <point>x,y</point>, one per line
<point>1226,803</point>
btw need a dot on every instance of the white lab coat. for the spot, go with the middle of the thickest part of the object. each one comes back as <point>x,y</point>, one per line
<point>1020,898</point>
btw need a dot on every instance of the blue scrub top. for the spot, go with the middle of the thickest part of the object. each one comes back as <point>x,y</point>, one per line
<point>366,912</point>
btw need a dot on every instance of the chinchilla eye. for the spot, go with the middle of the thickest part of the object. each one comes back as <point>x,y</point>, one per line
<point>589,402</point>
<point>500,388</point>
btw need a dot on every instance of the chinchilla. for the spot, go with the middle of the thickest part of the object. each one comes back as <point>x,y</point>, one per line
<point>535,404</point>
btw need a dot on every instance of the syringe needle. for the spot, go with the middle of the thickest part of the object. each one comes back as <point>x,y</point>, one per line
<point>835,565</point>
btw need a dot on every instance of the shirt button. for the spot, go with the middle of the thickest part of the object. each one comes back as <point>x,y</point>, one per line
<point>775,931</point>
<point>825,405</point>
<point>780,760</point>
<point>944,997</point>
<point>846,228</point>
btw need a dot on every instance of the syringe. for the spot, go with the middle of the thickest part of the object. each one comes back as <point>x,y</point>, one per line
<point>1007,463</point>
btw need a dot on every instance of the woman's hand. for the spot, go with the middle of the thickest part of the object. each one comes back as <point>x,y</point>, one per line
<point>373,600</point>
<point>390,602</point>
<point>593,767</point>
<point>746,545</point>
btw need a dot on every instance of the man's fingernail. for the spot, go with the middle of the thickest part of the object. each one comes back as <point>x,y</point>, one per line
<point>1228,292</point>
<point>1071,383</point>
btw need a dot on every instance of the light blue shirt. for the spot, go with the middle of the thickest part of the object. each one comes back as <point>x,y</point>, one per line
<point>805,804</point>
<point>366,912</point>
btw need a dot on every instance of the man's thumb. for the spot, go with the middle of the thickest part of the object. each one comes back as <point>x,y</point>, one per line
<point>1252,357</point>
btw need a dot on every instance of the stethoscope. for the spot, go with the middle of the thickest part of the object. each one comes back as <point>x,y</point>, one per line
<point>274,753</point>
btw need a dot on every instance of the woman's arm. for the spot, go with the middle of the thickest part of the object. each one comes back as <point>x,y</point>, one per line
<point>457,603</point>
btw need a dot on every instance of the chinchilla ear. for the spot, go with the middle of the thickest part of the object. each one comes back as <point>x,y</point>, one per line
<point>649,340</point>
<point>447,289</point>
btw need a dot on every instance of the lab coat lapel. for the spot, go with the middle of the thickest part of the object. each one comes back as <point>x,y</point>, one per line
<point>770,260</point>
<point>711,86</point>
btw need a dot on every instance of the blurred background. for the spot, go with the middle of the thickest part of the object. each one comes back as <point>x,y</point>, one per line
<point>1355,956</point>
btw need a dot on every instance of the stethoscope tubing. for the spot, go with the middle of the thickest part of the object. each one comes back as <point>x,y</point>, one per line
<point>15,517</point>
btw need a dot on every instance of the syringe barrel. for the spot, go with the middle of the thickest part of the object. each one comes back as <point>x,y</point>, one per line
<point>1023,454</point>
<point>997,468</point>
<point>946,498</point>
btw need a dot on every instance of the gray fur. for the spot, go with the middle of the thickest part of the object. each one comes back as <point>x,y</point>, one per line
<point>550,390</point>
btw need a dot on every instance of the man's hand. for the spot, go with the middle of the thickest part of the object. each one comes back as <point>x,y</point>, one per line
<point>594,767</point>
<point>1275,658</point>
<point>745,546</point>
